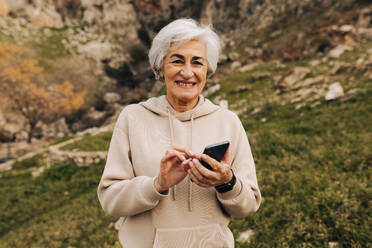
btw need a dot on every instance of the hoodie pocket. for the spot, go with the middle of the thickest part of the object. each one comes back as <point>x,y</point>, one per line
<point>208,236</point>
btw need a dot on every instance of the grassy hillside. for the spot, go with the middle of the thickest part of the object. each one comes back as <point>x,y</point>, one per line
<point>313,167</point>
<point>313,160</point>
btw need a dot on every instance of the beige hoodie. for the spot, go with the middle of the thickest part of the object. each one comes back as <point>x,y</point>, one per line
<point>189,216</point>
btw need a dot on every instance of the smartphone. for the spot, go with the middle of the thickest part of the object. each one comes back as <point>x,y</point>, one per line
<point>216,151</point>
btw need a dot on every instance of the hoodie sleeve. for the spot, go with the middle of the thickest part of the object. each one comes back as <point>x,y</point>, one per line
<point>245,197</point>
<point>119,191</point>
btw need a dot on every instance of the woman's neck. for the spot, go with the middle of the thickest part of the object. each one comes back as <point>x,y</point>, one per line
<point>181,106</point>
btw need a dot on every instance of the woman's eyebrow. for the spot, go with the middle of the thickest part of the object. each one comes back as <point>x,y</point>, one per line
<point>182,57</point>
<point>177,55</point>
<point>197,58</point>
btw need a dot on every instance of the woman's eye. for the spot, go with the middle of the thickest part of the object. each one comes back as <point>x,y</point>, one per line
<point>178,61</point>
<point>198,63</point>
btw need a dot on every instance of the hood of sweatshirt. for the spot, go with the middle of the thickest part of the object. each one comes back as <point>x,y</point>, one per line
<point>161,106</point>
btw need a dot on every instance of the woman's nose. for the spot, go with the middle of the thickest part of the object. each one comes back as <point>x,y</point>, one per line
<point>186,71</point>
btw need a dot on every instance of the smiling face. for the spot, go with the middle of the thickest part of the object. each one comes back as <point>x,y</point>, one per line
<point>185,73</point>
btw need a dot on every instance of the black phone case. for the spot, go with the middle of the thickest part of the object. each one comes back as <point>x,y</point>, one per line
<point>216,151</point>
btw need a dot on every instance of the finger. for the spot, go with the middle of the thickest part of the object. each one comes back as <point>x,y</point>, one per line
<point>196,172</point>
<point>172,153</point>
<point>209,174</point>
<point>211,161</point>
<point>196,181</point>
<point>188,152</point>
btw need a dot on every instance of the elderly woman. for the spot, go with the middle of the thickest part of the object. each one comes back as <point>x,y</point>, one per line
<point>153,178</point>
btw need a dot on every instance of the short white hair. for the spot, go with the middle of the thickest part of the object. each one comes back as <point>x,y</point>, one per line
<point>181,31</point>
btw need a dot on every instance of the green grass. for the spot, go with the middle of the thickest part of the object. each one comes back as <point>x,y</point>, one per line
<point>313,167</point>
<point>35,161</point>
<point>57,209</point>
<point>89,143</point>
<point>61,140</point>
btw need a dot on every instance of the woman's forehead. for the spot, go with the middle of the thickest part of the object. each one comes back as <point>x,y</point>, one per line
<point>193,48</point>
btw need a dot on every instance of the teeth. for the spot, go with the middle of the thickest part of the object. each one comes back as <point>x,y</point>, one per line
<point>185,84</point>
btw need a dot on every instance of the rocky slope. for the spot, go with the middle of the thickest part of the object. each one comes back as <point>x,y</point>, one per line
<point>111,39</point>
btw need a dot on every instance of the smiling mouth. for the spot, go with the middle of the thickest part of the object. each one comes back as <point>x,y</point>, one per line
<point>185,84</point>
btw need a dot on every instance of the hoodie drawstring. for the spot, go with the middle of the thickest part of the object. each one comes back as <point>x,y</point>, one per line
<point>190,182</point>
<point>172,143</point>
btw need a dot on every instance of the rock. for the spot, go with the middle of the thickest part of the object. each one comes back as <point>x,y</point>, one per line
<point>333,244</point>
<point>253,52</point>
<point>338,51</point>
<point>365,18</point>
<point>294,76</point>
<point>349,95</point>
<point>260,75</point>
<point>335,91</point>
<point>346,28</point>
<point>95,117</point>
<point>10,130</point>
<point>314,63</point>
<point>337,68</point>
<point>211,90</point>
<point>224,104</point>
<point>365,33</point>
<point>96,50</point>
<point>57,129</point>
<point>223,59</point>
<point>91,15</point>
<point>240,89</point>
<point>359,64</point>
<point>233,56</point>
<point>246,235</point>
<point>38,171</point>
<point>235,65</point>
<point>249,67</point>
<point>112,97</point>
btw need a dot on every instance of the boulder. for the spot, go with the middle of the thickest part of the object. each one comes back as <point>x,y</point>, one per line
<point>347,28</point>
<point>260,75</point>
<point>95,117</point>
<point>365,33</point>
<point>249,67</point>
<point>57,129</point>
<point>235,65</point>
<point>9,130</point>
<point>314,62</point>
<point>224,104</point>
<point>338,51</point>
<point>240,89</point>
<point>295,75</point>
<point>211,90</point>
<point>245,236</point>
<point>233,56</point>
<point>96,50</point>
<point>335,91</point>
<point>365,18</point>
<point>112,97</point>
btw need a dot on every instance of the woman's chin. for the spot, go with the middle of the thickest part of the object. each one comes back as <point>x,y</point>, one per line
<point>186,97</point>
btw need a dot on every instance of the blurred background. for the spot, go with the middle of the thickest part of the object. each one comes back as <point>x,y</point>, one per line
<point>298,74</point>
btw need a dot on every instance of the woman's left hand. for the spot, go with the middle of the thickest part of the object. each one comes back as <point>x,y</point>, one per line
<point>204,177</point>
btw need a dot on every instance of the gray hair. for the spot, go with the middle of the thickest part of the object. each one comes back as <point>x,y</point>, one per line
<point>179,32</point>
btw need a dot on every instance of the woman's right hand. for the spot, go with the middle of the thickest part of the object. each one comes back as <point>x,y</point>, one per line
<point>172,170</point>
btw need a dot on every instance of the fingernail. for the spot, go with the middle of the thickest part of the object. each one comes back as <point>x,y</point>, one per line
<point>186,161</point>
<point>191,152</point>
